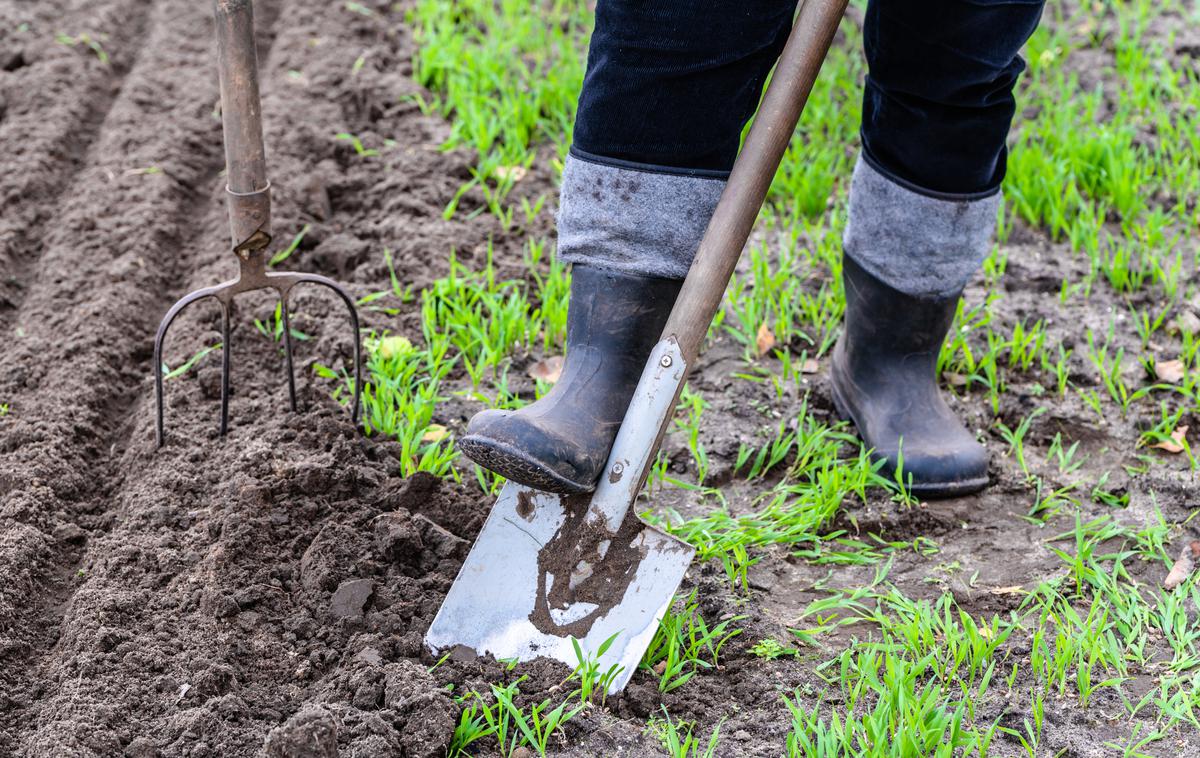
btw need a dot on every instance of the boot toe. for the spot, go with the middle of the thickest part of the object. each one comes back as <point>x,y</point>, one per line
<point>941,469</point>
<point>510,445</point>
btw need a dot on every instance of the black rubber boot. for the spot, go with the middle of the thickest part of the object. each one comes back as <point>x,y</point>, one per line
<point>561,442</point>
<point>884,380</point>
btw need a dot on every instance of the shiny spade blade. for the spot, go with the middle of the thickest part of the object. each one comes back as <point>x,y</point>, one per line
<point>539,576</point>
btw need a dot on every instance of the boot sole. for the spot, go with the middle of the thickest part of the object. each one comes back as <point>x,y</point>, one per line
<point>925,490</point>
<point>518,466</point>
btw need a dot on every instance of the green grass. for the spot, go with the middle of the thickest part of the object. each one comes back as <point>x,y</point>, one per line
<point>824,467</point>
<point>508,722</point>
<point>86,40</point>
<point>679,740</point>
<point>594,682</point>
<point>685,644</point>
<point>508,73</point>
<point>927,667</point>
<point>174,373</point>
<point>470,321</point>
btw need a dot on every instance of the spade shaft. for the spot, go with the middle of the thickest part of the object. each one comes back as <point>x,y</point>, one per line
<point>753,172</point>
<point>729,229</point>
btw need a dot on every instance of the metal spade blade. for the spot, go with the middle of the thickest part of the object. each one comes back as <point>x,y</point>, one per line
<point>548,568</point>
<point>520,596</point>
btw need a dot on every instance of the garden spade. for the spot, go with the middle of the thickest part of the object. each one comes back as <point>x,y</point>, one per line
<point>248,195</point>
<point>574,577</point>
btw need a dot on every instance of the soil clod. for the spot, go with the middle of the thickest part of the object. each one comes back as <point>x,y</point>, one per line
<point>351,598</point>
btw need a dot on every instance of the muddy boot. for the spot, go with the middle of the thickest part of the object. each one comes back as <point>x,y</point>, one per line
<point>884,380</point>
<point>561,442</point>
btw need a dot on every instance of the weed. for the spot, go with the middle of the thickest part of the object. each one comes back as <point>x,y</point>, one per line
<point>592,680</point>
<point>679,740</point>
<point>1016,437</point>
<point>771,649</point>
<point>85,39</point>
<point>361,150</point>
<point>183,368</point>
<point>684,643</point>
<point>510,724</point>
<point>292,247</point>
<point>273,330</point>
<point>536,727</point>
<point>508,72</point>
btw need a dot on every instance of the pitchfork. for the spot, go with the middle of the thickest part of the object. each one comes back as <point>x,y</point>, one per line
<point>248,194</point>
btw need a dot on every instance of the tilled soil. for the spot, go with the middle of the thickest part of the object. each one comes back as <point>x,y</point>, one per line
<point>267,592</point>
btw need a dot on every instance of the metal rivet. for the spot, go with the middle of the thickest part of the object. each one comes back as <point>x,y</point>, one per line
<point>665,362</point>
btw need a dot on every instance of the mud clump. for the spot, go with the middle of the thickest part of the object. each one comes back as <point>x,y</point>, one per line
<point>584,563</point>
<point>351,598</point>
<point>311,733</point>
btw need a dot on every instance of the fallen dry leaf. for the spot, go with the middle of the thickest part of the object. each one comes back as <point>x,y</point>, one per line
<point>1184,566</point>
<point>548,370</point>
<point>1169,371</point>
<point>1014,589</point>
<point>955,380</point>
<point>810,366</point>
<point>1175,446</point>
<point>516,173</point>
<point>1185,323</point>
<point>765,340</point>
<point>434,433</point>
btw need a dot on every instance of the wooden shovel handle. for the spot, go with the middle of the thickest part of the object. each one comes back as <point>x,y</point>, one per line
<point>752,174</point>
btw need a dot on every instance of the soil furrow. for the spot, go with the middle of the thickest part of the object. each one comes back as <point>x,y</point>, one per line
<point>76,358</point>
<point>54,100</point>
<point>207,540</point>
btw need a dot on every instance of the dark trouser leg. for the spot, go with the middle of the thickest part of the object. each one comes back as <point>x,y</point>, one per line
<point>923,203</point>
<point>669,86</point>
<point>937,108</point>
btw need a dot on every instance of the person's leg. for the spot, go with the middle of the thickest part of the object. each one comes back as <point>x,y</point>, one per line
<point>923,200</point>
<point>669,87</point>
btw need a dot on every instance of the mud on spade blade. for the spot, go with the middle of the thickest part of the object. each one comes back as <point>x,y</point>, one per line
<point>547,568</point>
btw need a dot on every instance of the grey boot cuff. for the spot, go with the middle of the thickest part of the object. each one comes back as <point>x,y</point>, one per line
<point>920,245</point>
<point>635,221</point>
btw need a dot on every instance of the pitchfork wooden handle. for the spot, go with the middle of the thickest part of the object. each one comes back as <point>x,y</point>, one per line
<point>752,174</point>
<point>241,113</point>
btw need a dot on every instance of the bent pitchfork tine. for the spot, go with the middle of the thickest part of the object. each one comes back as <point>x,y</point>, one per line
<point>248,194</point>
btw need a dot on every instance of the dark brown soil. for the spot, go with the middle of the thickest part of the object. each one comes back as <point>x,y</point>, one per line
<point>267,593</point>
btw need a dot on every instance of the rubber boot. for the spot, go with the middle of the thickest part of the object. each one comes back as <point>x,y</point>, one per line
<point>884,380</point>
<point>561,442</point>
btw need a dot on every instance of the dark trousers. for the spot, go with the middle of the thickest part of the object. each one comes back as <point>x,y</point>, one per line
<point>671,83</point>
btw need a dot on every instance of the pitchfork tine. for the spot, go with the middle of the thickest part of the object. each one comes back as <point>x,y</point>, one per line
<point>159,339</point>
<point>226,352</point>
<point>248,194</point>
<point>287,346</point>
<point>349,301</point>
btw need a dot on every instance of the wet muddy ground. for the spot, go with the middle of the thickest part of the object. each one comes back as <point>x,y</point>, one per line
<point>267,592</point>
